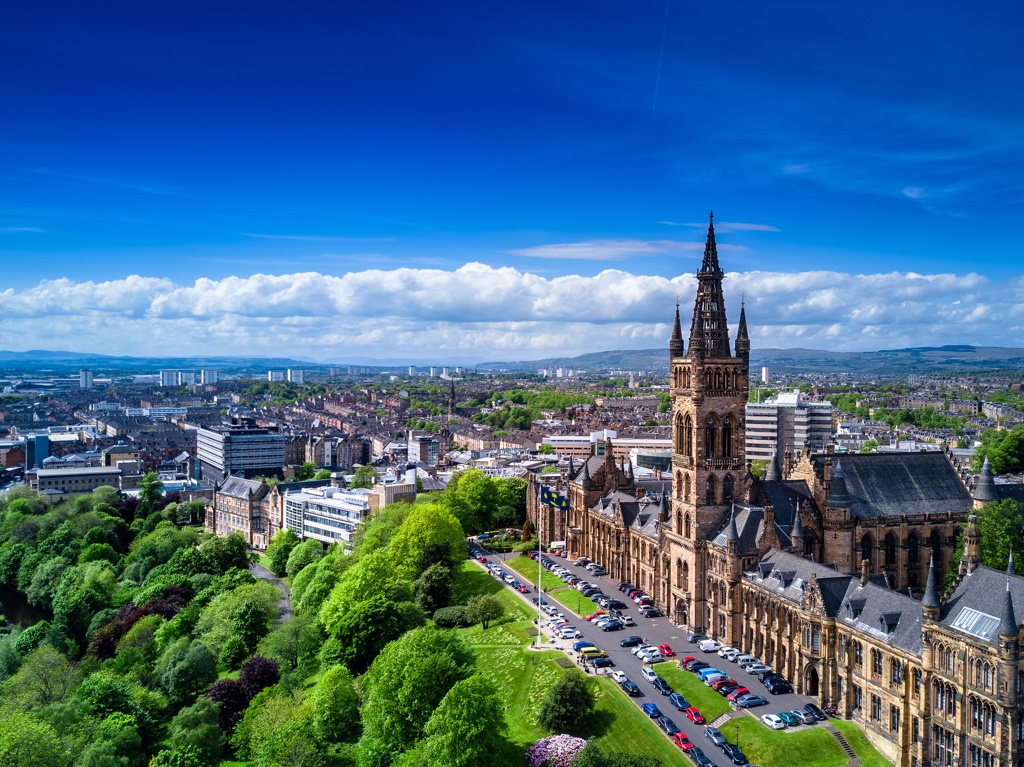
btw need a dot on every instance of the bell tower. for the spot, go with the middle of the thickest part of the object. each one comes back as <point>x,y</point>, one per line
<point>709,387</point>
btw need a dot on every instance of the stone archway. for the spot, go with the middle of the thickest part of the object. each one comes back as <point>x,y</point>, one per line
<point>811,681</point>
<point>680,614</point>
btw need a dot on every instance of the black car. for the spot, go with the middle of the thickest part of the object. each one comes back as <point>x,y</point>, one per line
<point>617,604</point>
<point>779,688</point>
<point>612,625</point>
<point>630,688</point>
<point>602,662</point>
<point>694,638</point>
<point>631,641</point>
<point>625,586</point>
<point>765,676</point>
<point>677,700</point>
<point>651,612</point>
<point>734,753</point>
<point>698,757</point>
<point>697,665</point>
<point>816,712</point>
<point>667,725</point>
<point>663,687</point>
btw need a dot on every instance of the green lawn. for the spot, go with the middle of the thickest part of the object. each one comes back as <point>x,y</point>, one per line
<point>527,568</point>
<point>710,703</point>
<point>576,602</point>
<point>810,747</point>
<point>869,756</point>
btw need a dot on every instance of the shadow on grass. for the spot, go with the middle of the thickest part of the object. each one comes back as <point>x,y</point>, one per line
<point>596,725</point>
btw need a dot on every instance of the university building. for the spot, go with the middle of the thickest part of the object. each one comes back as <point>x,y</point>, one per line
<point>827,569</point>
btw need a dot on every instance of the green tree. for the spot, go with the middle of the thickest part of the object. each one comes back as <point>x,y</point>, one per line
<point>433,589</point>
<point>473,498</point>
<point>305,553</point>
<point>758,468</point>
<point>27,742</point>
<point>150,490</point>
<point>295,643</point>
<point>336,706</point>
<point>186,756</point>
<point>871,446</point>
<point>322,474</point>
<point>546,449</point>
<point>251,623</point>
<point>427,528</point>
<point>1003,448</point>
<point>404,686</point>
<point>280,549</point>
<point>373,575</point>
<point>593,756</point>
<point>568,705</point>
<point>483,609</point>
<point>367,627</point>
<point>305,471</point>
<point>365,476</point>
<point>468,727</point>
<point>45,677</point>
<point>194,672</point>
<point>196,726</point>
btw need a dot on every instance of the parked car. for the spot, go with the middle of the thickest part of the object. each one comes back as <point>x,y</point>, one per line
<point>816,712</point>
<point>628,621</point>
<point>662,686</point>
<point>773,721</point>
<point>779,687</point>
<point>602,662</point>
<point>631,641</point>
<point>611,625</point>
<point>651,710</point>
<point>769,675</point>
<point>709,645</point>
<point>724,650</point>
<point>694,715</point>
<point>630,688</point>
<point>698,757</point>
<point>694,637</point>
<point>619,676</point>
<point>678,701</point>
<point>750,700</point>
<point>649,674</point>
<point>696,666</point>
<point>682,741</point>
<point>704,673</point>
<point>790,719</point>
<point>733,752</point>
<point>580,561</point>
<point>666,650</point>
<point>651,612</point>
<point>580,645</point>
<point>667,725</point>
<point>722,681</point>
<point>640,648</point>
<point>803,716</point>
<point>738,693</point>
<point>714,735</point>
<point>758,668</point>
<point>599,571</point>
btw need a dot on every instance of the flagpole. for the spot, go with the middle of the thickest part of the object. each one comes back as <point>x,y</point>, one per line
<point>540,570</point>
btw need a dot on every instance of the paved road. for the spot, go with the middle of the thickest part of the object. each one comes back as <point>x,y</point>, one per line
<point>655,631</point>
<point>285,604</point>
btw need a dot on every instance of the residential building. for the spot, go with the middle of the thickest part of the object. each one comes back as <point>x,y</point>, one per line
<point>209,376</point>
<point>275,375</point>
<point>58,483</point>
<point>186,378</point>
<point>785,423</point>
<point>84,379</point>
<point>296,376</point>
<point>168,377</point>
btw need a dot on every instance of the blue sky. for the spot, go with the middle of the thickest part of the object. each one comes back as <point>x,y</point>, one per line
<point>506,180</point>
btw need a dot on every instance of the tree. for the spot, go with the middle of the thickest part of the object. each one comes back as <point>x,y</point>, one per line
<point>228,695</point>
<point>294,644</point>
<point>871,446</point>
<point>336,706</point>
<point>1003,448</point>
<point>468,727</point>
<point>279,550</point>
<point>27,742</point>
<point>257,674</point>
<point>45,677</point>
<point>367,626</point>
<point>433,589</point>
<point>251,624</point>
<point>473,498</point>
<point>546,449</point>
<point>568,704</point>
<point>373,575</point>
<point>192,674</point>
<point>304,554</point>
<point>426,526</point>
<point>186,756</point>
<point>484,609</point>
<point>593,756</point>
<point>305,471</point>
<point>365,476</point>
<point>322,474</point>
<point>404,685</point>
<point>150,491</point>
<point>196,726</point>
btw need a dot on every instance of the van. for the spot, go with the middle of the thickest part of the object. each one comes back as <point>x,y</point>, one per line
<point>744,660</point>
<point>709,645</point>
<point>593,652</point>
<point>649,674</point>
<point>704,673</point>
<point>712,678</point>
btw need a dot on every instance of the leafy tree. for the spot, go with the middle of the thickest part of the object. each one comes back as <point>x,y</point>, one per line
<point>279,550</point>
<point>452,617</point>
<point>468,727</point>
<point>593,756</point>
<point>294,644</point>
<point>293,744</point>
<point>186,756</point>
<point>568,705</point>
<point>367,626</point>
<point>234,651</point>
<point>483,609</point>
<point>1001,527</point>
<point>32,637</point>
<point>758,468</point>
<point>404,685</point>
<point>1003,448</point>
<point>473,498</point>
<point>45,581</point>
<point>251,623</point>
<point>45,677</point>
<point>433,589</point>
<point>27,742</point>
<point>257,674</point>
<point>226,552</point>
<point>305,471</point>
<point>546,449</point>
<point>871,446</point>
<point>227,693</point>
<point>336,706</point>
<point>427,528</point>
<point>195,672</point>
<point>302,555</point>
<point>322,474</point>
<point>365,476</point>
<point>196,726</point>
<point>373,575</point>
<point>150,491</point>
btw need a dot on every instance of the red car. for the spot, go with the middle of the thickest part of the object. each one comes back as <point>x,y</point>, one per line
<point>694,715</point>
<point>595,615</point>
<point>667,651</point>
<point>718,684</point>
<point>523,589</point>
<point>739,691</point>
<point>686,660</point>
<point>682,741</point>
<point>482,560</point>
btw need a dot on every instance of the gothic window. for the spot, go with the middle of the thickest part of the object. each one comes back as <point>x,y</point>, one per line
<point>912,547</point>
<point>810,541</point>
<point>686,488</point>
<point>727,488</point>
<point>709,490</point>
<point>679,574</point>
<point>876,662</point>
<point>727,438</point>
<point>936,545</point>
<point>687,524</point>
<point>867,546</point>
<point>686,576</point>
<point>688,436</point>
<point>815,641</point>
<point>890,549</point>
<point>709,439</point>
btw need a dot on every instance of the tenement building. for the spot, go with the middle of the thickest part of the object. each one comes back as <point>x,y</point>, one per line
<point>827,568</point>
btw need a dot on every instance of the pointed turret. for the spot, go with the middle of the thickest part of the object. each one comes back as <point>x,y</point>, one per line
<point>985,487</point>
<point>742,339</point>
<point>1008,621</point>
<point>772,473</point>
<point>585,476</point>
<point>629,472</point>
<point>663,509</point>
<point>676,347</point>
<point>572,469</point>
<point>838,494</point>
<point>709,332</point>
<point>731,533</point>
<point>797,534</point>
<point>931,590</point>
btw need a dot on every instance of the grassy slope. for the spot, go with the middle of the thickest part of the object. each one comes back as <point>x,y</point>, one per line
<point>811,747</point>
<point>869,756</point>
<point>527,568</point>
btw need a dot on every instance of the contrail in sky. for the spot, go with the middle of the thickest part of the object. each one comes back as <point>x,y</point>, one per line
<point>661,56</point>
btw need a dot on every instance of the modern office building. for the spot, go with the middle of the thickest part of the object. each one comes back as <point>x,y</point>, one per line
<point>240,449</point>
<point>326,514</point>
<point>787,423</point>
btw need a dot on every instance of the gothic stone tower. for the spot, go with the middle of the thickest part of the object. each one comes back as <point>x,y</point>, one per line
<point>709,396</point>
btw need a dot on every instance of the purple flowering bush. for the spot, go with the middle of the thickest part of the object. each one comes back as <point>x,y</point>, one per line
<point>555,751</point>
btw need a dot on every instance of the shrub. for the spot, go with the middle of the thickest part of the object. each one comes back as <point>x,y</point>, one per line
<point>452,617</point>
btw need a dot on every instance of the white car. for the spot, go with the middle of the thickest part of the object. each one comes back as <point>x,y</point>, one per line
<point>641,648</point>
<point>724,651</point>
<point>627,621</point>
<point>732,655</point>
<point>619,676</point>
<point>773,722</point>
<point>569,632</point>
<point>759,668</point>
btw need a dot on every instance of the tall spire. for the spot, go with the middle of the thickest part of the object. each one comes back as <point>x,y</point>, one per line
<point>709,332</point>
<point>1008,621</point>
<point>773,473</point>
<point>675,344</point>
<point>931,591</point>
<point>742,339</point>
<point>985,487</point>
<point>731,533</point>
<point>838,494</point>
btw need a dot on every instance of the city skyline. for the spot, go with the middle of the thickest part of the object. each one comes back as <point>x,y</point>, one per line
<point>506,183</point>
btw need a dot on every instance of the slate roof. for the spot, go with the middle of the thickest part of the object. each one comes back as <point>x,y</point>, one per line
<point>976,605</point>
<point>891,484</point>
<point>783,496</point>
<point>593,463</point>
<point>786,575</point>
<point>750,528</point>
<point>239,487</point>
<point>640,515</point>
<point>891,616</point>
<point>1011,490</point>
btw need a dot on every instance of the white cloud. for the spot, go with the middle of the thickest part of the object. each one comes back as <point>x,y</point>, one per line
<point>607,250</point>
<point>484,312</point>
<point>914,192</point>
<point>33,229</point>
<point>724,227</point>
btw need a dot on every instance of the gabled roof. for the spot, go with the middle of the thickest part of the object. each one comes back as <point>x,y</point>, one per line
<point>891,616</point>
<point>894,484</point>
<point>979,602</point>
<point>239,487</point>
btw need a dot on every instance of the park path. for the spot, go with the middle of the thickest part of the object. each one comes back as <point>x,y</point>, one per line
<point>284,604</point>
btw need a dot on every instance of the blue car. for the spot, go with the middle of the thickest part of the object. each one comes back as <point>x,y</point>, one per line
<point>651,710</point>
<point>581,644</point>
<point>677,700</point>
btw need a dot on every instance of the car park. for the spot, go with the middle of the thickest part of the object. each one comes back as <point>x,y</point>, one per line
<point>640,648</point>
<point>704,673</point>
<point>770,676</point>
<point>568,632</point>
<point>631,641</point>
<point>649,674</point>
<point>599,571</point>
<point>612,625</point>
<point>694,715</point>
<point>720,682</point>
<point>596,614</point>
<point>724,650</point>
<point>651,710</point>
<point>696,666</point>
<point>523,588</point>
<point>630,688</point>
<point>726,690</point>
<point>682,741</point>
<point>666,724</point>
<point>750,700</point>
<point>678,701</point>
<point>789,718</point>
<point>653,657</point>
<point>773,721</point>
<point>733,752</point>
<point>709,645</point>
<point>593,652</point>
<point>580,561</point>
<point>482,560</point>
<point>662,686</point>
<point>714,735</point>
<point>744,660</point>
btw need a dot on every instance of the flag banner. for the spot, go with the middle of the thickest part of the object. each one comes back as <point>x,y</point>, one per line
<point>551,498</point>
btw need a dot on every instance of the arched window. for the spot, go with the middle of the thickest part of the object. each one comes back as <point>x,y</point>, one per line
<point>727,488</point>
<point>810,542</point>
<point>686,576</point>
<point>912,547</point>
<point>727,438</point>
<point>936,544</point>
<point>686,523</point>
<point>687,436</point>
<point>680,434</point>
<point>679,574</point>
<point>709,490</point>
<point>686,487</point>
<point>867,547</point>
<point>890,549</point>
<point>709,439</point>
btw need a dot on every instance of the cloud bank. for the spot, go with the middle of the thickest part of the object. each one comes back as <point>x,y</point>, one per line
<point>485,312</point>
